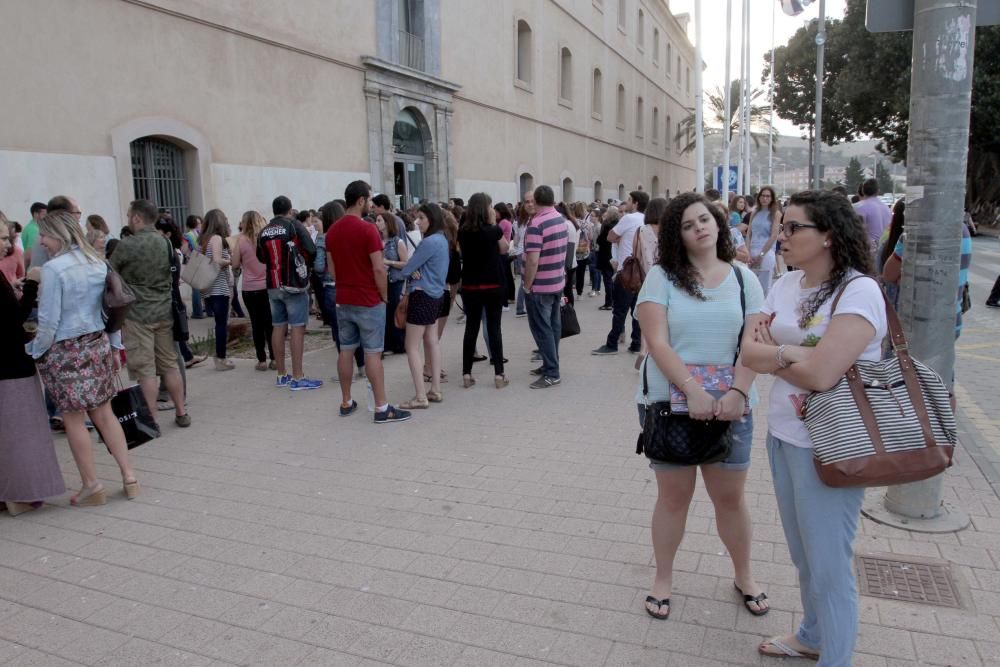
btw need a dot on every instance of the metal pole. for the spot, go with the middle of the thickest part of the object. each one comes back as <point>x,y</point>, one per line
<point>770,102</point>
<point>746,101</point>
<point>699,113</point>
<point>820,47</point>
<point>940,104</point>
<point>728,102</point>
<point>739,165</point>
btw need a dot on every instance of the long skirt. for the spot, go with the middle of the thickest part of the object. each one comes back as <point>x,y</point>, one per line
<point>79,373</point>
<point>29,470</point>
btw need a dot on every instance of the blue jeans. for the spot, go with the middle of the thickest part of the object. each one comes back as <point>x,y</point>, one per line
<point>330,308</point>
<point>819,523</point>
<point>361,326</point>
<point>519,304</point>
<point>197,310</point>
<point>545,322</point>
<point>218,307</point>
<point>595,273</point>
<point>623,303</point>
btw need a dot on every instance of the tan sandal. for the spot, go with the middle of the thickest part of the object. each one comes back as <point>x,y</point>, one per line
<point>468,381</point>
<point>131,489</point>
<point>435,396</point>
<point>416,403</point>
<point>777,647</point>
<point>94,498</point>
<point>500,381</point>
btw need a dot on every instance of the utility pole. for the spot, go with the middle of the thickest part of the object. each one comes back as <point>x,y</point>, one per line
<point>740,174</point>
<point>746,97</point>
<point>820,48</point>
<point>699,112</point>
<point>940,105</point>
<point>727,103</point>
<point>770,103</point>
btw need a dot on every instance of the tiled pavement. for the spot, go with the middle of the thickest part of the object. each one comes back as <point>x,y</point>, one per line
<point>499,528</point>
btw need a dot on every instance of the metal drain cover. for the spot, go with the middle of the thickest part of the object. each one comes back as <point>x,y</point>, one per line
<point>926,581</point>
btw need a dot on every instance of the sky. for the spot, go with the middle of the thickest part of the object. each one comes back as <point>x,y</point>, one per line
<point>713,31</point>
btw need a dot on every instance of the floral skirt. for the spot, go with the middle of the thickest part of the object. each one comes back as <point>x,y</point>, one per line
<point>79,373</point>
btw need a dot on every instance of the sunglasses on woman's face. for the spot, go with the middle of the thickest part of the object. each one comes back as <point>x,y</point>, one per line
<point>790,228</point>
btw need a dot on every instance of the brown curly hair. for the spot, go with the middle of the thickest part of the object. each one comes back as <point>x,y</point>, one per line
<point>673,255</point>
<point>833,213</point>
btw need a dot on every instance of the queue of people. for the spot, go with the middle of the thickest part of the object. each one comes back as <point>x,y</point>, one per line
<point>708,317</point>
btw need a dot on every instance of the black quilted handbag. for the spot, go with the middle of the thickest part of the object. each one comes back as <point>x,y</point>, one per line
<point>676,438</point>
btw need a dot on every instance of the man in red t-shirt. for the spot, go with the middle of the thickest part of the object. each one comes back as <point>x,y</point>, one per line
<point>354,251</point>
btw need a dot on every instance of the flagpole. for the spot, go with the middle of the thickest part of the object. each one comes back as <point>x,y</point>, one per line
<point>728,104</point>
<point>746,101</point>
<point>743,54</point>
<point>770,102</point>
<point>699,113</point>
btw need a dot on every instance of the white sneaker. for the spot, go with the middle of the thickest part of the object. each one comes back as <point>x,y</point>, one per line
<point>506,309</point>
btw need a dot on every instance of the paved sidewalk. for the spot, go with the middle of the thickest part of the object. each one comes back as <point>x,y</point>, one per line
<point>500,528</point>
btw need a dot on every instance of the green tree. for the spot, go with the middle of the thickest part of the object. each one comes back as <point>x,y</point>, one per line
<point>854,175</point>
<point>715,117</point>
<point>867,93</point>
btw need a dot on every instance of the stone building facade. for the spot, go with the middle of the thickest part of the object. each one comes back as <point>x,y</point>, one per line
<point>199,104</point>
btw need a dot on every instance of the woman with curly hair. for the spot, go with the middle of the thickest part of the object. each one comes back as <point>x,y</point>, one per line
<point>808,347</point>
<point>692,316</point>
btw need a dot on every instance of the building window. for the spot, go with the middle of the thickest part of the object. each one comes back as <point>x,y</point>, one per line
<point>638,117</point>
<point>598,191</point>
<point>621,192</point>
<point>158,175</point>
<point>597,95</point>
<point>567,190</point>
<point>656,46</point>
<point>678,137</point>
<point>622,13</point>
<point>527,184</point>
<point>411,34</point>
<point>524,53</point>
<point>687,80</point>
<point>640,31</point>
<point>678,70</point>
<point>666,136</point>
<point>565,76</point>
<point>654,187</point>
<point>620,110</point>
<point>670,56</point>
<point>656,125</point>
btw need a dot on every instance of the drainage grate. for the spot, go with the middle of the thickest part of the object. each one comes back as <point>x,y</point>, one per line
<point>925,581</point>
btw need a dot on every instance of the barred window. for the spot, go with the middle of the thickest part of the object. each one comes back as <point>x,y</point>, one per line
<point>158,175</point>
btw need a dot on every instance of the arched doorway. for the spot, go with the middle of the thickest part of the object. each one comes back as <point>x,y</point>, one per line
<point>527,184</point>
<point>408,153</point>
<point>567,191</point>
<point>621,192</point>
<point>598,191</point>
<point>654,187</point>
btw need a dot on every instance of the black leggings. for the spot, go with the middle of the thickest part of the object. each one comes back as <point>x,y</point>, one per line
<point>475,301</point>
<point>509,277</point>
<point>259,309</point>
<point>581,274</point>
<point>568,286</point>
<point>218,306</point>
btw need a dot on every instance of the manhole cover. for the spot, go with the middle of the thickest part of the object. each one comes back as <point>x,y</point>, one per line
<point>924,581</point>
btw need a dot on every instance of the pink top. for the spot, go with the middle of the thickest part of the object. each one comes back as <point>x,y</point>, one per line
<point>12,265</point>
<point>254,273</point>
<point>506,228</point>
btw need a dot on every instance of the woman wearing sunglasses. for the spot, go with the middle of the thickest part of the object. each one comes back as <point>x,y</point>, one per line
<point>809,348</point>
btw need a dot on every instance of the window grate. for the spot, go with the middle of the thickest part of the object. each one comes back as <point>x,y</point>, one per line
<point>158,175</point>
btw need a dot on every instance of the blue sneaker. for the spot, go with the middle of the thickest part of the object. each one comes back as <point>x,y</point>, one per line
<point>304,383</point>
<point>283,381</point>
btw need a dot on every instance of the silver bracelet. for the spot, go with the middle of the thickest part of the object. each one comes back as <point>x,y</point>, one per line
<point>780,357</point>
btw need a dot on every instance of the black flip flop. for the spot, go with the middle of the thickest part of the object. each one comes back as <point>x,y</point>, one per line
<point>747,599</point>
<point>659,603</point>
<point>344,412</point>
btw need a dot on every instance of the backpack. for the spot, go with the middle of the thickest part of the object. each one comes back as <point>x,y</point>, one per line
<point>296,270</point>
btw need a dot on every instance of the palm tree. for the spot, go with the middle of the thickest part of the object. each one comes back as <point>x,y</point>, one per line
<point>759,117</point>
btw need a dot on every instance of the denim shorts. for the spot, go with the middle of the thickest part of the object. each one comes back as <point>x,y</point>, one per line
<point>291,308</point>
<point>361,326</point>
<point>741,433</point>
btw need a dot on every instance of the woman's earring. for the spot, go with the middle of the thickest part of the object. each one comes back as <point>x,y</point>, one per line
<point>826,244</point>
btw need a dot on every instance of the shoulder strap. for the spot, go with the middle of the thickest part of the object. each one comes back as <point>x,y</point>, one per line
<point>743,310</point>
<point>637,242</point>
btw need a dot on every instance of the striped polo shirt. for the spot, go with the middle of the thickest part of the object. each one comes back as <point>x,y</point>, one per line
<point>547,236</point>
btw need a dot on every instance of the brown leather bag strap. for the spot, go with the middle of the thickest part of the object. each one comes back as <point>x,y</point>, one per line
<point>909,373</point>
<point>865,409</point>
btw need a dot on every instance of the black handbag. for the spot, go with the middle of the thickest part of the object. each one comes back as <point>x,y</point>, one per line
<point>676,438</point>
<point>570,322</point>
<point>177,308</point>
<point>138,424</point>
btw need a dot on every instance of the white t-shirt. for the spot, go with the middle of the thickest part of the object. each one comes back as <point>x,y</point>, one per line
<point>622,249</point>
<point>572,238</point>
<point>863,297</point>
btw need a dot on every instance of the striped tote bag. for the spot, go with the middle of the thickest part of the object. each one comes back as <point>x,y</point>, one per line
<point>885,422</point>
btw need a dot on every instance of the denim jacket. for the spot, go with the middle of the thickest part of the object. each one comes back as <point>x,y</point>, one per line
<point>69,301</point>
